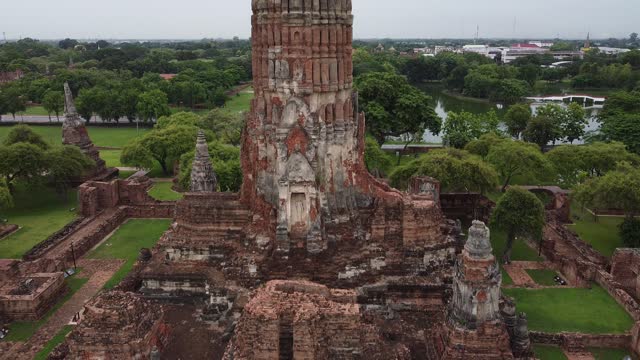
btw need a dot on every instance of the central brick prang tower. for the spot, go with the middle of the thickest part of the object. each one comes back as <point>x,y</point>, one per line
<point>300,149</point>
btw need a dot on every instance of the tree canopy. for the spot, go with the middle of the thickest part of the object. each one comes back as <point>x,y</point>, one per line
<point>24,134</point>
<point>394,107</point>
<point>161,145</point>
<point>462,128</point>
<point>513,158</point>
<point>457,170</point>
<point>517,118</point>
<point>520,214</point>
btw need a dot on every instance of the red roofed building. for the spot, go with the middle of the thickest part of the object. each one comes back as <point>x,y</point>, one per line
<point>167,77</point>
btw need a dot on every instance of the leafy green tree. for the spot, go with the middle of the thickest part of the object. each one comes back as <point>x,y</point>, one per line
<point>618,189</point>
<point>462,128</point>
<point>13,100</point>
<point>529,73</point>
<point>67,43</point>
<point>377,161</point>
<point>87,103</point>
<point>620,119</point>
<point>6,200</point>
<point>509,91</point>
<point>630,232</point>
<point>574,122</point>
<point>64,164</point>
<point>483,145</point>
<point>541,130</point>
<point>226,163</point>
<point>226,127</point>
<point>575,164</point>
<point>21,161</point>
<point>182,118</point>
<point>517,118</point>
<point>160,145</point>
<point>520,214</point>
<point>53,102</point>
<point>457,170</point>
<point>516,158</point>
<point>153,105</point>
<point>24,134</point>
<point>394,107</point>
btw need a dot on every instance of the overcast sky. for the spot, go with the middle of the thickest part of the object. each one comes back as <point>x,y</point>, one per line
<point>195,19</point>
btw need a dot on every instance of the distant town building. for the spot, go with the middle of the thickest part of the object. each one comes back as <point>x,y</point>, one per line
<point>542,44</point>
<point>612,51</point>
<point>9,76</point>
<point>440,48</point>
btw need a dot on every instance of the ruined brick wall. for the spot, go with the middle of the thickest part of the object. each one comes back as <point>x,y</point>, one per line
<point>303,320</point>
<point>576,340</point>
<point>119,325</point>
<point>96,196</point>
<point>31,307</point>
<point>625,268</point>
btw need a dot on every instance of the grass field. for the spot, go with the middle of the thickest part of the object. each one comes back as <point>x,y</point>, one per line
<point>608,354</point>
<point>548,352</point>
<point>23,330</point>
<point>241,102</point>
<point>163,191</point>
<point>602,235</point>
<point>102,137</point>
<point>40,212</point>
<point>111,157</point>
<point>57,340</point>
<point>506,279</point>
<point>127,241</point>
<point>543,277</point>
<point>590,311</point>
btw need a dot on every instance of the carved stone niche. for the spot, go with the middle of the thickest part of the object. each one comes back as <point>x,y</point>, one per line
<point>298,201</point>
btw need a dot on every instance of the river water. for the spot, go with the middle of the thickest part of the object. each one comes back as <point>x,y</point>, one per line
<point>444,103</point>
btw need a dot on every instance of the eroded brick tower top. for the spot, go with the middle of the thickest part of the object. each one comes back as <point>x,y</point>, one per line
<point>303,46</point>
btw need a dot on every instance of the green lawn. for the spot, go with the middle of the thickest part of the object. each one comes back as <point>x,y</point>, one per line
<point>241,102</point>
<point>111,157</point>
<point>602,235</point>
<point>40,212</point>
<point>23,330</point>
<point>57,340</point>
<point>548,352</point>
<point>543,277</point>
<point>573,310</point>
<point>127,241</point>
<point>125,174</point>
<point>103,137</point>
<point>37,110</point>
<point>506,279</point>
<point>609,354</point>
<point>163,191</point>
<point>521,251</point>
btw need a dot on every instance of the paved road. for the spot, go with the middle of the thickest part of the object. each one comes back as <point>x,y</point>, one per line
<point>38,119</point>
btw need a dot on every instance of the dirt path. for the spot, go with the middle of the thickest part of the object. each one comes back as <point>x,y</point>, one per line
<point>99,272</point>
<point>578,356</point>
<point>518,273</point>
